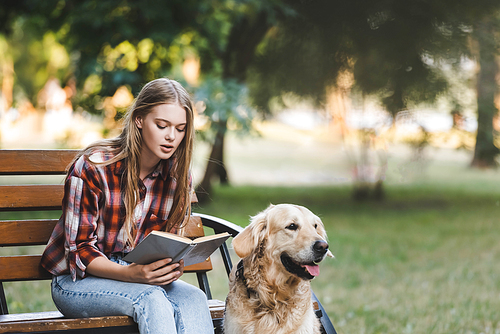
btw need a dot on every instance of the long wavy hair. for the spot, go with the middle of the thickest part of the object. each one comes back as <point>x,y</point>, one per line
<point>127,146</point>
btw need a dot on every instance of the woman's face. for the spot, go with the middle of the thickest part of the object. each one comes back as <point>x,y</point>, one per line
<point>162,131</point>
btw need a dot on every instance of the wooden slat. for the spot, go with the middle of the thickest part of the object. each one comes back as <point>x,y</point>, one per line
<point>22,268</point>
<point>54,320</point>
<point>27,267</point>
<point>37,232</point>
<point>39,162</point>
<point>202,266</point>
<point>31,197</point>
<point>61,323</point>
<point>30,316</point>
<point>26,232</point>
<point>193,229</point>
<point>216,308</point>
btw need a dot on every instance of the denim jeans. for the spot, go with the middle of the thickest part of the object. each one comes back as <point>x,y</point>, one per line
<point>175,308</point>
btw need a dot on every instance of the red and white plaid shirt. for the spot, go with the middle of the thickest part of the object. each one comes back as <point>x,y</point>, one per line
<point>93,215</point>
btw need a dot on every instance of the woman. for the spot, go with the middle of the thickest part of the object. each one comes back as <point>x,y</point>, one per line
<point>116,192</point>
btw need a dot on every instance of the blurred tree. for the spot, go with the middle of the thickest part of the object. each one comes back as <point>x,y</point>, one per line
<point>123,42</point>
<point>130,42</point>
<point>31,52</point>
<point>275,46</point>
<point>114,43</point>
<point>486,34</point>
<point>386,45</point>
<point>391,47</point>
<point>230,32</point>
<point>225,101</point>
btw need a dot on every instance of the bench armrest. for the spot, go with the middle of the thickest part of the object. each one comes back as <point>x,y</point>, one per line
<point>219,225</point>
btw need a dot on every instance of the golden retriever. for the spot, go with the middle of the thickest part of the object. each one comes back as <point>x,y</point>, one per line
<point>269,290</point>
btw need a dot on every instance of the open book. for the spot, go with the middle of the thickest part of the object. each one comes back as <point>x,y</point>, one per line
<point>159,245</point>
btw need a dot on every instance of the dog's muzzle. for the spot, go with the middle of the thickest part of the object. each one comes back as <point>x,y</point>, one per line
<point>320,248</point>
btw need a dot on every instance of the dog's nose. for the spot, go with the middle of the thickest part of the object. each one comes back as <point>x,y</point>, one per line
<point>320,247</point>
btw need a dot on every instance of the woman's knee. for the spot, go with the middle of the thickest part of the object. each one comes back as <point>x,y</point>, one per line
<point>195,302</point>
<point>198,296</point>
<point>187,293</point>
<point>152,297</point>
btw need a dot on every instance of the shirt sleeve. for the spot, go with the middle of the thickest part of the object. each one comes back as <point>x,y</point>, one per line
<point>81,212</point>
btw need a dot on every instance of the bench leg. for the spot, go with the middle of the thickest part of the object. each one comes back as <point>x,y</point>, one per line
<point>3,301</point>
<point>226,257</point>
<point>203,284</point>
<point>218,326</point>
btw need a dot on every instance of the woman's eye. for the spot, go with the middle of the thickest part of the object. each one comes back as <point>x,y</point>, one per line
<point>181,130</point>
<point>292,227</point>
<point>160,127</point>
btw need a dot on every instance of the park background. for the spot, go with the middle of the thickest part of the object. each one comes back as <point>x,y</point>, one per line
<point>379,116</point>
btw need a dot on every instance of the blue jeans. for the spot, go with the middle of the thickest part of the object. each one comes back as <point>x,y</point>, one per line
<point>171,309</point>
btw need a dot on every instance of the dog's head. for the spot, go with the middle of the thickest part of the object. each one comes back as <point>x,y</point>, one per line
<point>290,235</point>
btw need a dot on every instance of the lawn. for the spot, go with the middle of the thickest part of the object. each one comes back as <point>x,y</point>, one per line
<point>425,260</point>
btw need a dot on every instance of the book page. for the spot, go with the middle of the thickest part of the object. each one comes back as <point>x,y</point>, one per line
<point>202,250</point>
<point>211,237</point>
<point>172,236</point>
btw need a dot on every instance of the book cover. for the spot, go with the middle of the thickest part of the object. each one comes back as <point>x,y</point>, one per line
<point>160,245</point>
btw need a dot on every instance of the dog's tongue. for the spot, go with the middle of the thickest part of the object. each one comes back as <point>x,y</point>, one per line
<point>313,270</point>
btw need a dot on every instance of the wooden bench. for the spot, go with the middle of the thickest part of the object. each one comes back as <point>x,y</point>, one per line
<point>38,198</point>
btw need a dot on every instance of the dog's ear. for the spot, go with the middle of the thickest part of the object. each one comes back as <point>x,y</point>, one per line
<point>322,233</point>
<point>248,241</point>
<point>321,228</point>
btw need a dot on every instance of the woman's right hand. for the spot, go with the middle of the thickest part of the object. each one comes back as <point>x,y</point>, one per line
<point>161,272</point>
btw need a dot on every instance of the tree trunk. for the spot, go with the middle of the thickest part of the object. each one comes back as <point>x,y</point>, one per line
<point>485,150</point>
<point>215,165</point>
<point>245,35</point>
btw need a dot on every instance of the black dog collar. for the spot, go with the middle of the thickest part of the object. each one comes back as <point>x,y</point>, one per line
<point>240,275</point>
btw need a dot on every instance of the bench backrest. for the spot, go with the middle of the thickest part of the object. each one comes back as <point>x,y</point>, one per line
<point>42,197</point>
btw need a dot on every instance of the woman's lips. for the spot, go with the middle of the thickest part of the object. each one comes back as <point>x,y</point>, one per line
<point>166,148</point>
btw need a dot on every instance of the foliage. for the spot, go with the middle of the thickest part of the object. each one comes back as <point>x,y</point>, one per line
<point>388,45</point>
<point>36,54</point>
<point>130,43</point>
<point>223,101</point>
<point>394,49</point>
<point>391,47</point>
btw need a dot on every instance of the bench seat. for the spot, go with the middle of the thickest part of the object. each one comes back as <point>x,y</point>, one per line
<point>55,321</point>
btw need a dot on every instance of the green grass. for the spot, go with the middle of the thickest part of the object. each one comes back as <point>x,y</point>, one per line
<point>424,260</point>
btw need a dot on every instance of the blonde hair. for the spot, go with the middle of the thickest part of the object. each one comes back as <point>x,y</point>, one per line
<point>129,143</point>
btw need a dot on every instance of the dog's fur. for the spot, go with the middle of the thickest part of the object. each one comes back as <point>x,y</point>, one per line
<point>264,296</point>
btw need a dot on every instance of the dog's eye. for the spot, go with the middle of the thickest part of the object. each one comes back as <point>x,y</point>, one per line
<point>292,226</point>
<point>315,225</point>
